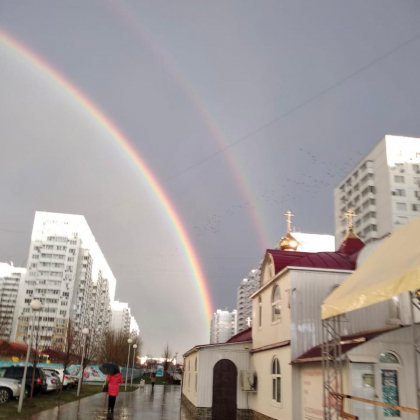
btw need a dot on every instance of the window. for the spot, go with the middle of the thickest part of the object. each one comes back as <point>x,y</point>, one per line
<point>196,374</point>
<point>389,382</point>
<point>189,373</point>
<point>275,305</point>
<point>401,206</point>
<point>259,312</point>
<point>276,380</point>
<point>415,207</point>
<point>416,168</point>
<point>399,179</point>
<point>394,308</point>
<point>399,192</point>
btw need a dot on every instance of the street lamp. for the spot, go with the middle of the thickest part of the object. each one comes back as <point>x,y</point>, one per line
<point>134,355</point>
<point>36,306</point>
<point>129,341</point>
<point>85,332</point>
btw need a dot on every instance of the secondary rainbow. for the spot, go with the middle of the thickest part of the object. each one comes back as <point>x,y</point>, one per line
<point>30,57</point>
<point>243,183</point>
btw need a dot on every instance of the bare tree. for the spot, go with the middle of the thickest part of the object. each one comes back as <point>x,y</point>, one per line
<point>113,347</point>
<point>66,351</point>
<point>167,356</point>
<point>40,341</point>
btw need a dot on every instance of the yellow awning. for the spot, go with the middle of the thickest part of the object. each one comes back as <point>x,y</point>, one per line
<point>392,269</point>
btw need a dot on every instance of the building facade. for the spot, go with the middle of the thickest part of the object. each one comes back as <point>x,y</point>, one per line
<point>121,317</point>
<point>383,189</point>
<point>64,264</point>
<point>11,279</point>
<point>222,326</point>
<point>248,286</point>
<point>307,242</point>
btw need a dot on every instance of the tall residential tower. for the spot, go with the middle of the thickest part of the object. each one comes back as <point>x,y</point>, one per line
<point>383,189</point>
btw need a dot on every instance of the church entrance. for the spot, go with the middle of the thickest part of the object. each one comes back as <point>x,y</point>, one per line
<point>225,380</point>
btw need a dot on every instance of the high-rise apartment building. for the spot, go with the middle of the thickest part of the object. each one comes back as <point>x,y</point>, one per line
<point>383,189</point>
<point>121,316</point>
<point>248,286</point>
<point>11,279</point>
<point>223,326</point>
<point>66,271</point>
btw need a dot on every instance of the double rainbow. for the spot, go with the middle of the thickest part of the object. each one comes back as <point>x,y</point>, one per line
<point>37,63</point>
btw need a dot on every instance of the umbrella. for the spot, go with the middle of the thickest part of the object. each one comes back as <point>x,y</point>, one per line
<point>110,368</point>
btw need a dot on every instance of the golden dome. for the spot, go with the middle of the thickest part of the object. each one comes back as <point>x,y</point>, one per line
<point>288,243</point>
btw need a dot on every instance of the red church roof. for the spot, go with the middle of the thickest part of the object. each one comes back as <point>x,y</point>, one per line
<point>245,335</point>
<point>343,259</point>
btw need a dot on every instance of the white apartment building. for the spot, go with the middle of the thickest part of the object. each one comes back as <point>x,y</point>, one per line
<point>64,264</point>
<point>383,189</point>
<point>134,327</point>
<point>121,316</point>
<point>11,278</point>
<point>222,326</point>
<point>248,286</point>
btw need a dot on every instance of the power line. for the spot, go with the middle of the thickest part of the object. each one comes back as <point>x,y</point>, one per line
<point>275,120</point>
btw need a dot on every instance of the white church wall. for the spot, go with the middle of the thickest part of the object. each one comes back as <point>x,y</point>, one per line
<point>238,354</point>
<point>262,401</point>
<point>271,332</point>
<point>189,388</point>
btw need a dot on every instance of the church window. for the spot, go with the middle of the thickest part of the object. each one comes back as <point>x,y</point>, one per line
<point>259,312</point>
<point>196,375</point>
<point>276,380</point>
<point>276,304</point>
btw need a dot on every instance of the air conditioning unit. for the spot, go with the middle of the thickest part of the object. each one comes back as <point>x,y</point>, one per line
<point>248,381</point>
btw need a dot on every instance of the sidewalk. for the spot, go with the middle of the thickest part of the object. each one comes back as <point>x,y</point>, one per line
<point>163,403</point>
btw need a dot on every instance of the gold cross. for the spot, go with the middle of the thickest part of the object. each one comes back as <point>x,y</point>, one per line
<point>289,216</point>
<point>350,214</point>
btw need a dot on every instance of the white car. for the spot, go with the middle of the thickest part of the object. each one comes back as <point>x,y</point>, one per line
<point>64,377</point>
<point>53,382</point>
<point>9,388</point>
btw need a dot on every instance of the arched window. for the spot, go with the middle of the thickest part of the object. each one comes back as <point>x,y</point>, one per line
<point>388,358</point>
<point>259,312</point>
<point>389,369</point>
<point>275,304</point>
<point>195,374</point>
<point>276,380</point>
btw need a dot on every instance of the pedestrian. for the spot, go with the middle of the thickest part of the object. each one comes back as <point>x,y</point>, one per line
<point>152,380</point>
<point>114,382</point>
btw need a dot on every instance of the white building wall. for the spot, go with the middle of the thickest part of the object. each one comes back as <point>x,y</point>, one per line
<point>262,400</point>
<point>208,357</point>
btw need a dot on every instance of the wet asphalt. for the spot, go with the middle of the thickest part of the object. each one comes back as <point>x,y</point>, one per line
<point>161,404</point>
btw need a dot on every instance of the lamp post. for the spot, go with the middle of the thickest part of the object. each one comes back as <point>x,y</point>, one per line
<point>36,305</point>
<point>85,332</point>
<point>132,369</point>
<point>129,341</point>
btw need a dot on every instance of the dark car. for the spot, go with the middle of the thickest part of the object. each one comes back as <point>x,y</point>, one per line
<point>16,372</point>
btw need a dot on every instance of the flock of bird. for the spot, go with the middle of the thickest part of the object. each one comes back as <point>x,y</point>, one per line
<point>306,184</point>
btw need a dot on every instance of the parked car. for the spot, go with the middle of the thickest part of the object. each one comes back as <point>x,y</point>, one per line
<point>9,388</point>
<point>53,381</point>
<point>16,372</point>
<point>68,381</point>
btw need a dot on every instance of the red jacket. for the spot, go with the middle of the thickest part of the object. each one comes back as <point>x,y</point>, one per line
<point>114,382</point>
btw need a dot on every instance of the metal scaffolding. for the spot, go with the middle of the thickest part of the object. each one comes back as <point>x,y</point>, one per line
<point>332,369</point>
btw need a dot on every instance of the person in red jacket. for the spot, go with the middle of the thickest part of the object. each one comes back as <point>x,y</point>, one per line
<point>114,382</point>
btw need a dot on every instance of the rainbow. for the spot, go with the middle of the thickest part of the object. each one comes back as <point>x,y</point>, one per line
<point>216,132</point>
<point>93,110</point>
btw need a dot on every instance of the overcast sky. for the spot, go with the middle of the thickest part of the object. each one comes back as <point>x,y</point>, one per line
<point>299,89</point>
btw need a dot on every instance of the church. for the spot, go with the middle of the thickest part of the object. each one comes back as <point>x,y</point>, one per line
<point>273,370</point>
